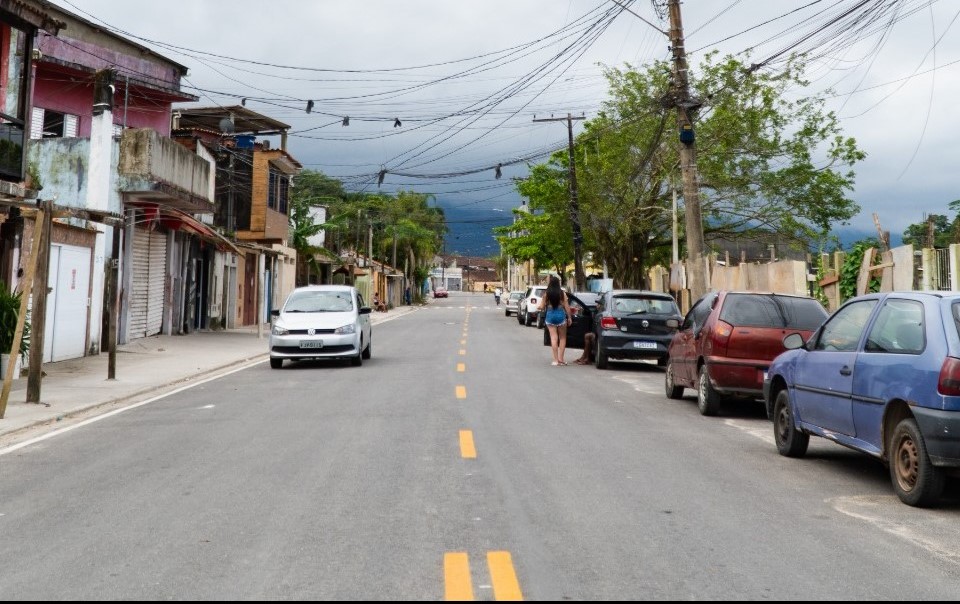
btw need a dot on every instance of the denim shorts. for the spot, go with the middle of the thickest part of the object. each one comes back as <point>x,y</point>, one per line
<point>555,317</point>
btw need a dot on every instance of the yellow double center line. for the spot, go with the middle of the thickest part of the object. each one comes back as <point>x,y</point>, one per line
<point>503,578</point>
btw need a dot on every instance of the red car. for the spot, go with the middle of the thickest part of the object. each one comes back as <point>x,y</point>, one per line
<point>440,293</point>
<point>728,339</point>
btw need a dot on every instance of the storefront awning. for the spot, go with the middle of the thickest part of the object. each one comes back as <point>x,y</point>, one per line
<point>176,220</point>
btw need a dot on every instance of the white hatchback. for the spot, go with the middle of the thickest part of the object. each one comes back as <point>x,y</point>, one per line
<point>321,322</point>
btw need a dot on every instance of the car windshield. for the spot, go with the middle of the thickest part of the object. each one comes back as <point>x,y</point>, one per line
<point>644,304</point>
<point>766,310</point>
<point>319,301</point>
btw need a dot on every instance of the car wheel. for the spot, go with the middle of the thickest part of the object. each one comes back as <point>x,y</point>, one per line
<point>916,480</point>
<point>506,313</point>
<point>791,442</point>
<point>674,391</point>
<point>708,399</point>
<point>603,360</point>
<point>368,350</point>
<point>357,361</point>
<point>520,317</point>
<point>276,363</point>
<point>527,320</point>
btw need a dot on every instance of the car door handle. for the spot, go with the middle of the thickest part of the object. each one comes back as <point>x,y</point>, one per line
<point>845,370</point>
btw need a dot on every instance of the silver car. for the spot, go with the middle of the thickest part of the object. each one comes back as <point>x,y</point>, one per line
<point>321,322</point>
<point>513,302</point>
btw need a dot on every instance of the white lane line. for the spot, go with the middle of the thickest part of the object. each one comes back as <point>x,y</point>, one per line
<point>934,533</point>
<point>763,430</point>
<point>208,407</point>
<point>86,422</point>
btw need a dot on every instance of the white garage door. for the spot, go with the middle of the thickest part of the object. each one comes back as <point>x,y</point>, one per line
<point>146,300</point>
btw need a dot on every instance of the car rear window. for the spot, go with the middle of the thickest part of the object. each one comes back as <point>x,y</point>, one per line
<point>766,310</point>
<point>644,304</point>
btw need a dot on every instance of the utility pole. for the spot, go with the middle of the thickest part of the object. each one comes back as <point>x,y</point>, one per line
<point>574,204</point>
<point>39,310</point>
<point>696,270</point>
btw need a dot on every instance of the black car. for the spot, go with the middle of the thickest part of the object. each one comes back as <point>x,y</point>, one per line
<point>586,299</point>
<point>582,323</point>
<point>634,325</point>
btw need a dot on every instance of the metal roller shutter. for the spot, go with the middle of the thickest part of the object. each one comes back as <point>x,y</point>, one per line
<point>146,300</point>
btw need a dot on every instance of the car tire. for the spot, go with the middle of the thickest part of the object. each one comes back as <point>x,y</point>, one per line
<point>357,361</point>
<point>276,363</point>
<point>674,391</point>
<point>708,399</point>
<point>915,479</point>
<point>527,321</point>
<point>520,317</point>
<point>791,441</point>
<point>368,351</point>
<point>506,313</point>
<point>603,360</point>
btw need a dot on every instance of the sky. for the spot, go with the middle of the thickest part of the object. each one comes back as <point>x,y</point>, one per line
<point>466,80</point>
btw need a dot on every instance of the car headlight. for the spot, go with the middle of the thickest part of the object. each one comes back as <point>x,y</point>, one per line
<point>279,330</point>
<point>346,329</point>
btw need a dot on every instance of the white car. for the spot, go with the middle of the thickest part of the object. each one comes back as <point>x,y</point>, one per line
<point>528,312</point>
<point>321,322</point>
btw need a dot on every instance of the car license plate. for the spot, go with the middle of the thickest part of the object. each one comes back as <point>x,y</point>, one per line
<point>311,343</point>
<point>646,345</point>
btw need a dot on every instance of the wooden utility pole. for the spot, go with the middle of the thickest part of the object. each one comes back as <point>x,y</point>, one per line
<point>113,293</point>
<point>39,218</point>
<point>39,311</point>
<point>579,275</point>
<point>696,269</point>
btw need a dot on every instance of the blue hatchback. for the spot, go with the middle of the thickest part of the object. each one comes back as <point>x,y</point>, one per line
<point>882,376</point>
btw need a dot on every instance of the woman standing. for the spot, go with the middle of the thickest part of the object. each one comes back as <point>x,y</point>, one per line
<point>556,318</point>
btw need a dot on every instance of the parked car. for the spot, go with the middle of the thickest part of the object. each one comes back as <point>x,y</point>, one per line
<point>513,303</point>
<point>581,324</point>
<point>881,376</point>
<point>440,293</point>
<point>528,305</point>
<point>589,299</point>
<point>321,322</point>
<point>634,325</point>
<point>728,339</point>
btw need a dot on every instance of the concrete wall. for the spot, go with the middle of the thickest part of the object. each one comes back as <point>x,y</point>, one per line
<point>62,164</point>
<point>145,154</point>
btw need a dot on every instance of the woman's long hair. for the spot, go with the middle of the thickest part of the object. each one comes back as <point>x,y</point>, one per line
<point>554,293</point>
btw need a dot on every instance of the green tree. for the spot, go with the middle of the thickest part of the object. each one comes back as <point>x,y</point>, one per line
<point>945,231</point>
<point>768,165</point>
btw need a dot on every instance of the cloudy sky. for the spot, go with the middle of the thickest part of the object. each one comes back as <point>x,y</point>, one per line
<point>466,80</point>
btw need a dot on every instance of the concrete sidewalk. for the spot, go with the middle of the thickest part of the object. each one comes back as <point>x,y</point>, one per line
<point>76,389</point>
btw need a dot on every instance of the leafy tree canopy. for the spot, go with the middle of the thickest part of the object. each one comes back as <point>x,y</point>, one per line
<point>768,164</point>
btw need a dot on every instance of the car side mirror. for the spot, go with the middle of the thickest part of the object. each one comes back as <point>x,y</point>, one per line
<point>366,310</point>
<point>274,313</point>
<point>793,341</point>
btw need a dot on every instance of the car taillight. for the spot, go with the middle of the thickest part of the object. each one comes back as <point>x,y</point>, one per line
<point>608,323</point>
<point>949,382</point>
<point>721,337</point>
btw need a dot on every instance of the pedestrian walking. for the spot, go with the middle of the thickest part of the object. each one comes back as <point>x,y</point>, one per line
<point>496,295</point>
<point>556,318</point>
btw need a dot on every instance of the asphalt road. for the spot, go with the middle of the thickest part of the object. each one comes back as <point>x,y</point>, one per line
<point>456,462</point>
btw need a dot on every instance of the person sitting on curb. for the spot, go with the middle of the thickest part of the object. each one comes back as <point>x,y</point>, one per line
<point>587,357</point>
<point>377,304</point>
